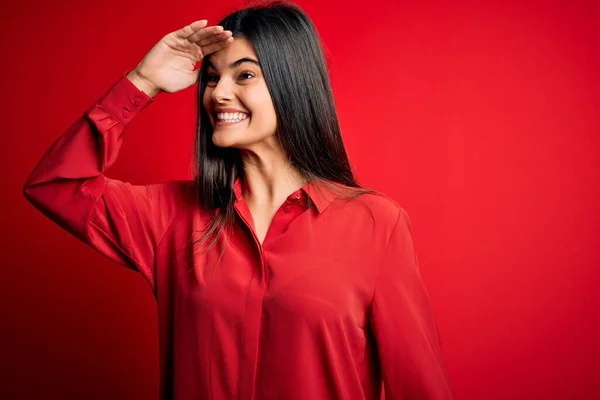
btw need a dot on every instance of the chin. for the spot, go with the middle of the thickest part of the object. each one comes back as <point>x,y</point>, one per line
<point>221,143</point>
<point>221,140</point>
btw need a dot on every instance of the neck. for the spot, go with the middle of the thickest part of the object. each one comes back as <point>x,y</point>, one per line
<point>268,181</point>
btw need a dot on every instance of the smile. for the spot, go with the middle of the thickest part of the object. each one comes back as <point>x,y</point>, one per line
<point>231,119</point>
<point>231,122</point>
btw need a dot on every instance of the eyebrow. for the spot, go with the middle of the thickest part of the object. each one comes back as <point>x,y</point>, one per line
<point>236,63</point>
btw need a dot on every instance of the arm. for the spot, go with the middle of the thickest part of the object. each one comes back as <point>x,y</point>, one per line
<point>404,326</point>
<point>122,221</point>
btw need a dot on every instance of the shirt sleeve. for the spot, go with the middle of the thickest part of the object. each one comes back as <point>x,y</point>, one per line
<point>403,323</point>
<point>121,221</point>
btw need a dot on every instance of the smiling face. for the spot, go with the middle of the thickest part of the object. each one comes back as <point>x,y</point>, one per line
<point>237,99</point>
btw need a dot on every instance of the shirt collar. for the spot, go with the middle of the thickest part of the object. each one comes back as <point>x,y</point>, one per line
<point>321,197</point>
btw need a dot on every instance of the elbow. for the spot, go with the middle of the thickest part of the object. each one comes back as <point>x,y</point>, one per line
<point>30,197</point>
<point>26,192</point>
<point>32,192</point>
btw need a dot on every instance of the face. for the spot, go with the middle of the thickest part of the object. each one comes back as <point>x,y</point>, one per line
<point>235,81</point>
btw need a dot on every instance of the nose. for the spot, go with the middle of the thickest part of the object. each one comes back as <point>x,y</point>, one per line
<point>222,91</point>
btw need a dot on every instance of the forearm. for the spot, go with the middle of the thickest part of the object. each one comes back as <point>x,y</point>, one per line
<point>68,179</point>
<point>142,84</point>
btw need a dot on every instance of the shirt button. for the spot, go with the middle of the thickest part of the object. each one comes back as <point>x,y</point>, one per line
<point>137,101</point>
<point>296,197</point>
<point>286,209</point>
<point>125,114</point>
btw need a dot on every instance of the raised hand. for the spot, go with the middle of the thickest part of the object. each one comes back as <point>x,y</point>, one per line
<point>170,65</point>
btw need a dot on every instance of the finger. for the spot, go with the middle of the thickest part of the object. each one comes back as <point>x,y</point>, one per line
<point>214,38</point>
<point>211,48</point>
<point>190,29</point>
<point>203,33</point>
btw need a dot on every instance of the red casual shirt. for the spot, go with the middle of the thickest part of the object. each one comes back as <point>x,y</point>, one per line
<point>328,307</point>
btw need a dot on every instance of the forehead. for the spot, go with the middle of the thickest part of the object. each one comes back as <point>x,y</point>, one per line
<point>239,48</point>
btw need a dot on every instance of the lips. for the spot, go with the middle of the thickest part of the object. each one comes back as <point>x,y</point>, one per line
<point>229,110</point>
<point>223,122</point>
<point>220,123</point>
<point>232,116</point>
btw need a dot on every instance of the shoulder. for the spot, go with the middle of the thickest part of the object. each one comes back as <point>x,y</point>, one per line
<point>382,207</point>
<point>388,208</point>
<point>373,214</point>
<point>365,220</point>
<point>173,195</point>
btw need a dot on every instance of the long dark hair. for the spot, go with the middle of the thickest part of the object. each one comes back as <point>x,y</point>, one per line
<point>293,65</point>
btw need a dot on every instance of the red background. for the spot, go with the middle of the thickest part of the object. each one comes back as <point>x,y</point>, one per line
<point>481,120</point>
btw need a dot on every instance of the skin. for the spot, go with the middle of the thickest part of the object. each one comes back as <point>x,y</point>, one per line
<point>269,177</point>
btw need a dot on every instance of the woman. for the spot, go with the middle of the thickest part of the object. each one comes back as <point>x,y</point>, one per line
<point>276,275</point>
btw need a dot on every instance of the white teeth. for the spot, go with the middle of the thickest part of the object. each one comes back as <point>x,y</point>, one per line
<point>230,117</point>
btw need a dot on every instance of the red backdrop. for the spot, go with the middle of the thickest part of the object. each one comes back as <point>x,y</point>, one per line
<point>482,121</point>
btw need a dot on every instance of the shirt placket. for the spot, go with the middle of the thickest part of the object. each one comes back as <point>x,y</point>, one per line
<point>290,209</point>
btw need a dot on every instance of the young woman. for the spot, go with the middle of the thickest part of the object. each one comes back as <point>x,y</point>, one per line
<point>276,275</point>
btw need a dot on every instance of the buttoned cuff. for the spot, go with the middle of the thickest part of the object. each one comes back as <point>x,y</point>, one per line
<point>124,100</point>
